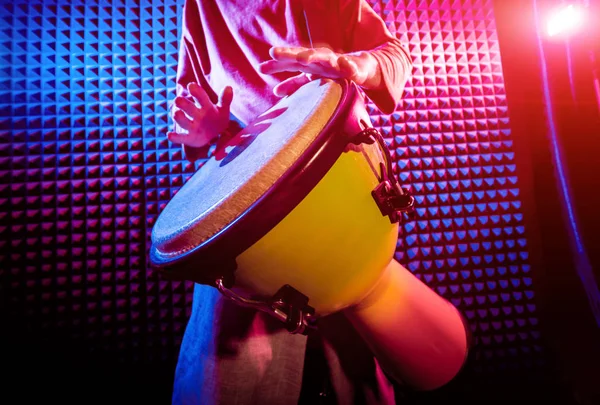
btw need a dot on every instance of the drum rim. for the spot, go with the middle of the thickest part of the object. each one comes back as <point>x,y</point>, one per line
<point>216,256</point>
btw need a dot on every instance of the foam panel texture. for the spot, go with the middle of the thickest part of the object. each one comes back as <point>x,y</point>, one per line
<point>85,169</point>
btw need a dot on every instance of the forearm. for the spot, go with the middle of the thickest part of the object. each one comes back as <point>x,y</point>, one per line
<point>390,66</point>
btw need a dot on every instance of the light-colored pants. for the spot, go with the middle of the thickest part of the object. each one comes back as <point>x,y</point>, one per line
<point>233,355</point>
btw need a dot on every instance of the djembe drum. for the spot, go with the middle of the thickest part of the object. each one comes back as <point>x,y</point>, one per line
<point>296,216</point>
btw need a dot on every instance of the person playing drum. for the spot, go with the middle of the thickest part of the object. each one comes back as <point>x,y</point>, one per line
<point>253,53</point>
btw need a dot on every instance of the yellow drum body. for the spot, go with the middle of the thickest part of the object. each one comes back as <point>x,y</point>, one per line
<point>287,201</point>
<point>305,197</point>
<point>333,246</point>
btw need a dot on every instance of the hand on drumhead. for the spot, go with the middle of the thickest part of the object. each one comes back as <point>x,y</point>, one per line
<point>360,67</point>
<point>201,120</point>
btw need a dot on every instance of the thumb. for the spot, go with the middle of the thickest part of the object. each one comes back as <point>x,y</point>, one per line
<point>226,97</point>
<point>290,85</point>
<point>176,137</point>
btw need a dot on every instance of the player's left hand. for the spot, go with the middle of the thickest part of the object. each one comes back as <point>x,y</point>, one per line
<point>360,67</point>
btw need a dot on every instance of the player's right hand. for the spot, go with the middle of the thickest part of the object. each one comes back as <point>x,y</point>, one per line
<point>197,120</point>
<point>360,67</point>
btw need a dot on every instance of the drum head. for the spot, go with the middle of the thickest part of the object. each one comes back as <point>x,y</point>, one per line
<point>232,182</point>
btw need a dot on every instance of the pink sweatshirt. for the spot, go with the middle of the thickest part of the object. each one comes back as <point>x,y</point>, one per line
<point>224,41</point>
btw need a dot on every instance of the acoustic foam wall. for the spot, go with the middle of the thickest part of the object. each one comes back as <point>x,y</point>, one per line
<point>85,169</point>
<point>453,147</point>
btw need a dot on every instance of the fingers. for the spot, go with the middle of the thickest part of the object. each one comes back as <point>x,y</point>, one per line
<point>321,68</point>
<point>304,56</point>
<point>200,95</point>
<point>197,123</point>
<point>323,57</point>
<point>348,68</point>
<point>319,61</point>
<point>276,66</point>
<point>176,137</point>
<point>226,97</point>
<point>285,53</point>
<point>197,141</point>
<point>288,86</point>
<point>299,54</point>
<point>182,120</point>
<point>187,106</point>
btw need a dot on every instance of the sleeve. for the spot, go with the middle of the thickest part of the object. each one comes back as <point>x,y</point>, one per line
<point>193,60</point>
<point>366,31</point>
<point>193,63</point>
<point>189,66</point>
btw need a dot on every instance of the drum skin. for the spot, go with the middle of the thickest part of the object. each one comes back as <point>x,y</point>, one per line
<point>333,247</point>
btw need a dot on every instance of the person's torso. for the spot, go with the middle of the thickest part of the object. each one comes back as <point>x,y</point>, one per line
<point>239,35</point>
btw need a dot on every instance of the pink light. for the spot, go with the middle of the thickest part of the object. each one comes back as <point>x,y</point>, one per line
<point>565,20</point>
